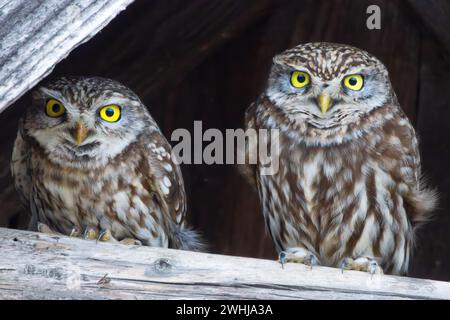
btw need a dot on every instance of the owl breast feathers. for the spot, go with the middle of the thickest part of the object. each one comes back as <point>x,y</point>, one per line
<point>88,156</point>
<point>348,192</point>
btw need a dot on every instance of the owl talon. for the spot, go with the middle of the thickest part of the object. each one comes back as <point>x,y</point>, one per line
<point>343,266</point>
<point>282,259</point>
<point>75,232</point>
<point>365,264</point>
<point>297,255</point>
<point>105,236</point>
<point>313,261</point>
<point>90,234</point>
<point>373,268</point>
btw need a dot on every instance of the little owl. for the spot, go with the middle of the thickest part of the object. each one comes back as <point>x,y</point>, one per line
<point>348,192</point>
<point>90,161</point>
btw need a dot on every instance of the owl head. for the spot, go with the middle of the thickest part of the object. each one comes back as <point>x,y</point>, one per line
<point>84,121</point>
<point>326,85</point>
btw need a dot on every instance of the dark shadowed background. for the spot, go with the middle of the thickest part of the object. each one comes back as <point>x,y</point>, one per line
<point>207,60</point>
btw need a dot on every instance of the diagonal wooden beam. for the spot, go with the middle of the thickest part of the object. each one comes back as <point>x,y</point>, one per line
<point>37,34</point>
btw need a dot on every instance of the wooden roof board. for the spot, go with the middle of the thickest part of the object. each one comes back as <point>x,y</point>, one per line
<point>35,35</point>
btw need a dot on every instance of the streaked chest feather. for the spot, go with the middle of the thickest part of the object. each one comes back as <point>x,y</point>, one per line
<point>321,198</point>
<point>115,198</point>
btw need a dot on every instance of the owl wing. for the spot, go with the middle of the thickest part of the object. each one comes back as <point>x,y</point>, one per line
<point>165,183</point>
<point>165,179</point>
<point>419,200</point>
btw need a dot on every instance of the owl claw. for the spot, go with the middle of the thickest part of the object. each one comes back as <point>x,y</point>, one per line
<point>297,255</point>
<point>366,264</point>
<point>105,236</point>
<point>75,233</point>
<point>90,234</point>
<point>342,267</point>
<point>313,261</point>
<point>42,227</point>
<point>373,267</point>
<point>282,259</point>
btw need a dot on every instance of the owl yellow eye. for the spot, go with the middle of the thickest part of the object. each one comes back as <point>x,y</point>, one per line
<point>54,108</point>
<point>299,79</point>
<point>110,113</point>
<point>354,82</point>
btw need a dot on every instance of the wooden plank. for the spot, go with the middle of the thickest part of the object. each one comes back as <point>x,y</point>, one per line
<point>37,34</point>
<point>39,266</point>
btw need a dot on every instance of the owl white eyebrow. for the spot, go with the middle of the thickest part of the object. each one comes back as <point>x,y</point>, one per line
<point>52,94</point>
<point>354,70</point>
<point>120,101</point>
<point>55,94</point>
<point>298,68</point>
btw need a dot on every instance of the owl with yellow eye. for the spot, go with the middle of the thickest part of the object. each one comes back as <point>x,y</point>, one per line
<point>348,192</point>
<point>90,161</point>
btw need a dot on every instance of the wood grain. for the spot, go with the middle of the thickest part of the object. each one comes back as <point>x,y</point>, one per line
<point>37,34</point>
<point>39,266</point>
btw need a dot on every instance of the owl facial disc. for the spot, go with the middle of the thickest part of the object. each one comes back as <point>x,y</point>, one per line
<point>85,120</point>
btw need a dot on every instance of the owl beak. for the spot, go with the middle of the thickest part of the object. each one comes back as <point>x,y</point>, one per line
<point>80,133</point>
<point>324,102</point>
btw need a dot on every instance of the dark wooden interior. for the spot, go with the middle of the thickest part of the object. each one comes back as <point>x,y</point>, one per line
<point>207,60</point>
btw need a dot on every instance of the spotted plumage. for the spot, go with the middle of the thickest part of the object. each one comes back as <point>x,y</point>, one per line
<point>79,166</point>
<point>348,192</point>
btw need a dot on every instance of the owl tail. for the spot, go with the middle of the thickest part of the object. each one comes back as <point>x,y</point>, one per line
<point>187,239</point>
<point>421,204</point>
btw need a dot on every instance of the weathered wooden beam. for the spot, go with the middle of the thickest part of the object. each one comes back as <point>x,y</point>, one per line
<point>37,34</point>
<point>40,266</point>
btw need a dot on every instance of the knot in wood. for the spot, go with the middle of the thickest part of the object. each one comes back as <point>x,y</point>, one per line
<point>162,265</point>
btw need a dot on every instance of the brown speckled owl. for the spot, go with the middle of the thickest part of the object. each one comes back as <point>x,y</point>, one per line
<point>348,192</point>
<point>89,160</point>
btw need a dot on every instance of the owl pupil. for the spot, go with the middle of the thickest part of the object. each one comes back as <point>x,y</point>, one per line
<point>353,81</point>
<point>301,78</point>
<point>56,108</point>
<point>109,112</point>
